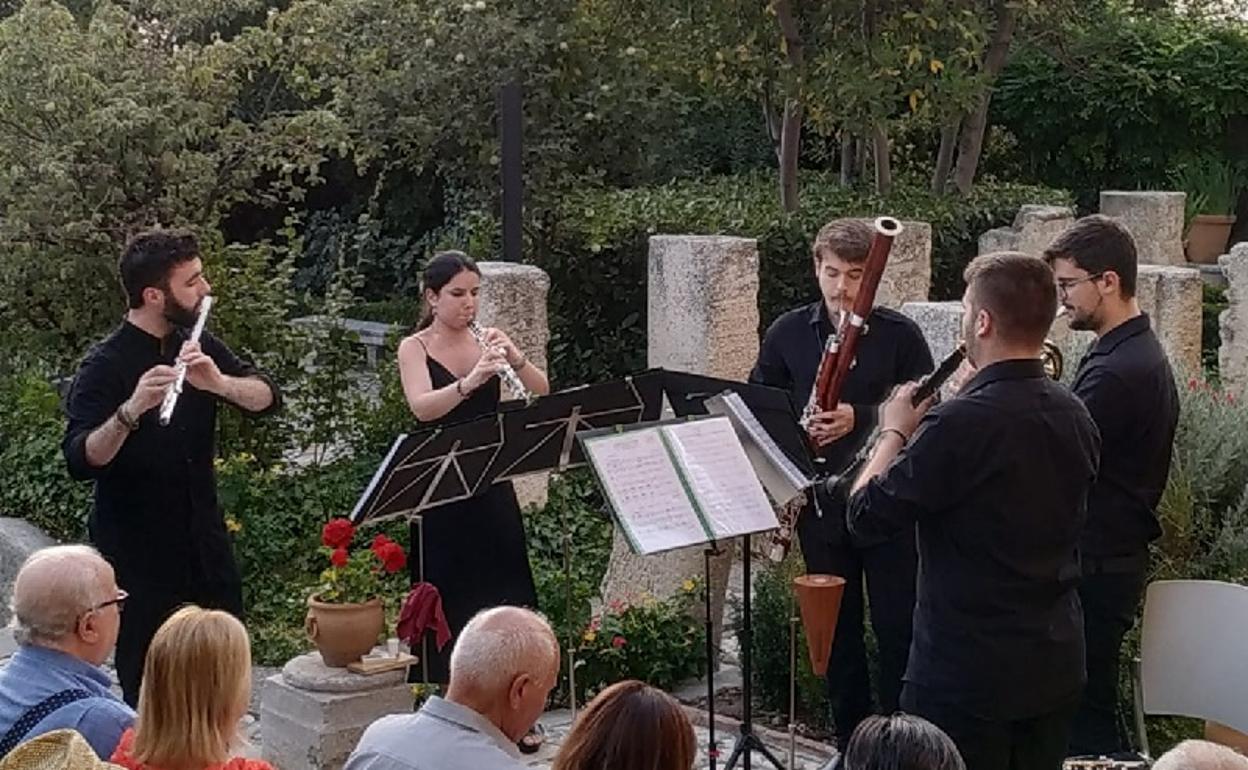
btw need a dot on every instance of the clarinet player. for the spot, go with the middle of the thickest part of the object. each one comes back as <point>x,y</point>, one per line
<point>474,551</point>
<point>155,515</point>
<point>891,351</point>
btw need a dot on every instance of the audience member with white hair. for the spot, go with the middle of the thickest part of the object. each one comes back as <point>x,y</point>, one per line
<point>503,667</point>
<point>1201,755</point>
<point>66,614</point>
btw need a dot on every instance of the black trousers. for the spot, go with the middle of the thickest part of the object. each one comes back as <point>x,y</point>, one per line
<point>889,570</point>
<point>150,605</point>
<point>1110,602</point>
<point>1035,743</point>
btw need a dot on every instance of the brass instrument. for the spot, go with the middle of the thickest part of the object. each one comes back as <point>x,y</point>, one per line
<point>1052,359</point>
<point>506,373</point>
<point>175,388</point>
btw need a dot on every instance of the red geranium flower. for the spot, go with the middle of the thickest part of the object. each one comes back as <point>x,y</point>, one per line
<point>379,542</point>
<point>339,557</point>
<point>618,641</point>
<point>337,533</point>
<point>391,555</point>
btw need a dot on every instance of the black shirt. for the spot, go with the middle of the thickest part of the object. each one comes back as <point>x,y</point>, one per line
<point>891,351</point>
<point>997,479</point>
<point>1127,385</point>
<point>155,515</point>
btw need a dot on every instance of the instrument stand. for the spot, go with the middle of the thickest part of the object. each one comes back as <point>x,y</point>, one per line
<point>712,746</point>
<point>747,741</point>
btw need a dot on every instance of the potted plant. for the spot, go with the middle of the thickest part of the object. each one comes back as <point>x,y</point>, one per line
<point>345,613</point>
<point>1211,187</point>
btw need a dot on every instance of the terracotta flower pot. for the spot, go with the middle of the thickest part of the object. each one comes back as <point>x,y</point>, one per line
<point>343,633</point>
<point>1207,236</point>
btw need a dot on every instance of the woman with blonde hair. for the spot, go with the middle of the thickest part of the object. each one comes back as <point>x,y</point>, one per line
<point>629,726</point>
<point>196,687</point>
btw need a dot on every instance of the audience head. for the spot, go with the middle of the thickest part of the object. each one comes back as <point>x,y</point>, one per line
<point>66,598</point>
<point>629,726</point>
<point>1094,262</point>
<point>900,742</point>
<point>1201,755</point>
<point>1008,307</point>
<point>196,686</point>
<point>503,666</point>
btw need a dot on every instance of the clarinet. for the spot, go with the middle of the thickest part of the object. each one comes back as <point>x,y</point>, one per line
<point>507,374</point>
<point>175,388</point>
<point>928,386</point>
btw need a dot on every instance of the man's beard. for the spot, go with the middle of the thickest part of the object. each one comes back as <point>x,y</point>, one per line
<point>177,314</point>
<point>1081,322</point>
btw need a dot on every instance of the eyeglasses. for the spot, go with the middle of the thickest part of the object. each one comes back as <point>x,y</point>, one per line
<point>1064,286</point>
<point>119,600</point>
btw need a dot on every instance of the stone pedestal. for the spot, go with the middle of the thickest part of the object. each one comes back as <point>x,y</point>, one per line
<point>1172,298</point>
<point>1233,353</point>
<point>1034,228</point>
<point>312,716</point>
<point>908,273</point>
<point>1155,220</point>
<point>703,318</point>
<point>513,298</point>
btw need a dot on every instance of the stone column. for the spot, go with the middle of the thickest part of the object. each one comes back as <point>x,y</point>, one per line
<point>513,298</point>
<point>1034,228</point>
<point>1155,220</point>
<point>312,716</point>
<point>908,273</point>
<point>1233,353</point>
<point>703,318</point>
<point>1172,298</point>
<point>940,322</point>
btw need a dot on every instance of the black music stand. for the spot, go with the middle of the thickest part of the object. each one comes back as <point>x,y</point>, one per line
<point>447,463</point>
<point>772,407</point>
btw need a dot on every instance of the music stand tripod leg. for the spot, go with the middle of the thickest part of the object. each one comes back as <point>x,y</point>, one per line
<point>712,747</point>
<point>747,741</point>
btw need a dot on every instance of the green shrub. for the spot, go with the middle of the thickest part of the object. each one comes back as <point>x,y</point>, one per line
<point>1213,302</point>
<point>35,482</point>
<point>1122,98</point>
<point>595,247</point>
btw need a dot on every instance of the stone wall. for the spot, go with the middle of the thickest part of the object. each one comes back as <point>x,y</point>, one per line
<point>908,273</point>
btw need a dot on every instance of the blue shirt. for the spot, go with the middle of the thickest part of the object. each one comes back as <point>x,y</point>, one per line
<point>36,673</point>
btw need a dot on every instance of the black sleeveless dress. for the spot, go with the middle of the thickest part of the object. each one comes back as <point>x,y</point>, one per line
<point>475,551</point>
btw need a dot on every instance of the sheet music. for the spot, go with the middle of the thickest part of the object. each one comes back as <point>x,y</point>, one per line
<point>648,496</point>
<point>781,478</point>
<point>720,477</point>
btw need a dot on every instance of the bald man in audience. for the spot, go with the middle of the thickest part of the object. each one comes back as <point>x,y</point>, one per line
<point>1201,755</point>
<point>66,612</point>
<point>503,667</point>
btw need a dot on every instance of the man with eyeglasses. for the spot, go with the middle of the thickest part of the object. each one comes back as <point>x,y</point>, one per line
<point>1128,387</point>
<point>67,612</point>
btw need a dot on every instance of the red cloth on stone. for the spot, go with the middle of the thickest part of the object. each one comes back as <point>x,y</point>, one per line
<point>422,610</point>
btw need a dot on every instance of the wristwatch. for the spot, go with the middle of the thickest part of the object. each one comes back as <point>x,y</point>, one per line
<point>123,417</point>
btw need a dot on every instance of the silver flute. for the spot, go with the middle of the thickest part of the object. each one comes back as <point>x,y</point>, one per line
<point>175,387</point>
<point>507,374</point>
